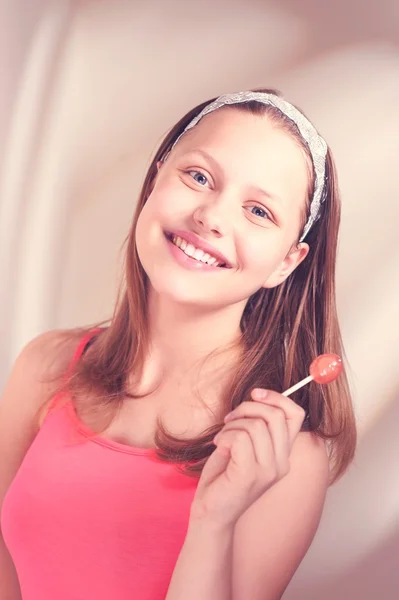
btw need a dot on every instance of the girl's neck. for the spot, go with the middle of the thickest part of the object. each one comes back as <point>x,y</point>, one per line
<point>181,337</point>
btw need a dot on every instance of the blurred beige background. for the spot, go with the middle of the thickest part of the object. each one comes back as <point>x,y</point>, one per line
<point>88,90</point>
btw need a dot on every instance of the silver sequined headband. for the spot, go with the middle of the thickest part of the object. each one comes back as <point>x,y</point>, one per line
<point>317,146</point>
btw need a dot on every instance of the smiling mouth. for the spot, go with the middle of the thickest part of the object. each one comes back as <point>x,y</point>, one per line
<point>195,253</point>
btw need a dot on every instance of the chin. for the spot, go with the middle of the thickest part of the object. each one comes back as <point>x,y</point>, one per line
<point>179,292</point>
<point>182,292</point>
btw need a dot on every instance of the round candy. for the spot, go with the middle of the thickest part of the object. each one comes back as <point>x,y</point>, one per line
<point>325,368</point>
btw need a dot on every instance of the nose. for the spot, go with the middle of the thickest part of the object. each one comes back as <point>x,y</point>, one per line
<point>214,216</point>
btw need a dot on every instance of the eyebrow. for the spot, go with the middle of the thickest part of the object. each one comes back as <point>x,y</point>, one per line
<point>215,164</point>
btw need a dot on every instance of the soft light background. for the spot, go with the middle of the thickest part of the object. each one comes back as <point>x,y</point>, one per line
<point>88,88</point>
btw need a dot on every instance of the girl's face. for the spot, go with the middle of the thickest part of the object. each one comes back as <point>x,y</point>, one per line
<point>233,189</point>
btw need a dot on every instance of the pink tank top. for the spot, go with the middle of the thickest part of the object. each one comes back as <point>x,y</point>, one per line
<point>93,519</point>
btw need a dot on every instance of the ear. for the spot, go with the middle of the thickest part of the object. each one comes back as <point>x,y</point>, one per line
<point>159,164</point>
<point>294,258</point>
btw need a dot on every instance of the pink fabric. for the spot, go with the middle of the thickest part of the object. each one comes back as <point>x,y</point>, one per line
<point>93,519</point>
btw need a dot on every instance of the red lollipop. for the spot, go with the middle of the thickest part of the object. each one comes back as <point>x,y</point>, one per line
<point>324,369</point>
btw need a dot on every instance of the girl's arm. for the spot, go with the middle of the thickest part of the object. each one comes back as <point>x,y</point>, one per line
<point>204,566</point>
<point>257,558</point>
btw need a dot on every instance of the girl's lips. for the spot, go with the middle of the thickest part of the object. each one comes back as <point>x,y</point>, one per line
<point>187,261</point>
<point>199,243</point>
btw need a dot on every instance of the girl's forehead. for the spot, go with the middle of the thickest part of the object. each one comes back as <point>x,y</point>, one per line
<point>226,124</point>
<point>241,142</point>
<point>234,133</point>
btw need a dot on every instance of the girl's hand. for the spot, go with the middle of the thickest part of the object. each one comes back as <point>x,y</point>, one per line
<point>252,454</point>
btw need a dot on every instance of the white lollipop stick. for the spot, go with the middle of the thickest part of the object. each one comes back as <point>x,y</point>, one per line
<point>298,385</point>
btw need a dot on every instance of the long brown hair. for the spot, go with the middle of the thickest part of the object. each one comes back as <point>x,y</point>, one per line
<point>283,330</point>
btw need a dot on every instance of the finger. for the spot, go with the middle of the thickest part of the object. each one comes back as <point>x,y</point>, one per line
<point>242,454</point>
<point>259,434</point>
<point>252,409</point>
<point>267,411</point>
<point>294,413</point>
<point>277,450</point>
<point>215,465</point>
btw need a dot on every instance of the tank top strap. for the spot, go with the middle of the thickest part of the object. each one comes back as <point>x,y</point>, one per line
<point>81,347</point>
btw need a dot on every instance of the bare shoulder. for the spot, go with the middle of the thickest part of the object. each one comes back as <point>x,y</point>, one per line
<point>49,352</point>
<point>36,371</point>
<point>33,379</point>
<point>309,449</point>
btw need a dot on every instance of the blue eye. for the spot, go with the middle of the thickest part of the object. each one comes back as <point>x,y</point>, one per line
<point>259,212</point>
<point>201,179</point>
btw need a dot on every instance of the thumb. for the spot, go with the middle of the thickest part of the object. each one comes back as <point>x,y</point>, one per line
<point>216,464</point>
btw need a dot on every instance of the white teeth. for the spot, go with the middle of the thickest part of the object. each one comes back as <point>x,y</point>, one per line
<point>198,254</point>
<point>189,250</point>
<point>194,252</point>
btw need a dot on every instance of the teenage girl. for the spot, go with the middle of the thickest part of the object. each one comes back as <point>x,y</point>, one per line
<point>156,457</point>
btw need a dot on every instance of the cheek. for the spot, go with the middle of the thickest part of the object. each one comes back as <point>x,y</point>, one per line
<point>153,213</point>
<point>147,231</point>
<point>259,254</point>
<point>143,223</point>
<point>166,206</point>
<point>168,202</point>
